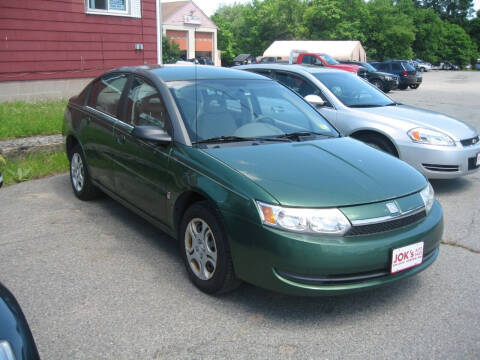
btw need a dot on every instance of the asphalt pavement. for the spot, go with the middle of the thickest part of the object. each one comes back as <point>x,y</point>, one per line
<point>98,282</point>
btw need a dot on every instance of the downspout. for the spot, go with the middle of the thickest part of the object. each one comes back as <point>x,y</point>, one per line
<point>159,32</point>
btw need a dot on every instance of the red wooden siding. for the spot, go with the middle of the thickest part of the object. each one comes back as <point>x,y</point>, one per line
<point>56,39</point>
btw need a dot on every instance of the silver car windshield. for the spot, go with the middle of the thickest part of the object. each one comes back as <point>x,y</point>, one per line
<point>353,91</point>
<point>244,109</point>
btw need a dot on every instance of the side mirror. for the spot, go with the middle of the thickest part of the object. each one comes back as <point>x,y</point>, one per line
<point>314,100</point>
<point>151,133</point>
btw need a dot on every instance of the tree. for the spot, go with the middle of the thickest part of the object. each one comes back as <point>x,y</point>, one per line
<point>428,35</point>
<point>389,32</point>
<point>170,51</point>
<point>455,11</point>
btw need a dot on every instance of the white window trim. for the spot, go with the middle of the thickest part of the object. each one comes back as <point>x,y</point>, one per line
<point>129,12</point>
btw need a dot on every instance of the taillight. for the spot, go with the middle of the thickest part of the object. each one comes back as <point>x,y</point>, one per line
<point>405,73</point>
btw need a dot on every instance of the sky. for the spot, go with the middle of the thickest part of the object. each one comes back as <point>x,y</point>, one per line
<point>209,6</point>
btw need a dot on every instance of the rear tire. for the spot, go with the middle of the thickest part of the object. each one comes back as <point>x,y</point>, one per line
<point>205,250</point>
<point>82,185</point>
<point>414,86</point>
<point>378,142</point>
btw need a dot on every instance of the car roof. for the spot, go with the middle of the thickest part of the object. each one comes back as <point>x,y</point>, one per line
<point>190,72</point>
<point>312,69</point>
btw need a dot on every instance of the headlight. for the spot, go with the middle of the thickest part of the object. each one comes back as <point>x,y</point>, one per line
<point>428,196</point>
<point>431,137</point>
<point>320,221</point>
<point>388,78</point>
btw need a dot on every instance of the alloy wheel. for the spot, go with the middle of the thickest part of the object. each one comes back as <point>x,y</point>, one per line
<point>77,172</point>
<point>201,249</point>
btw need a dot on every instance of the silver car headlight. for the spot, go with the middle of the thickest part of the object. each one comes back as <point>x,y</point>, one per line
<point>319,221</point>
<point>428,197</point>
<point>430,137</point>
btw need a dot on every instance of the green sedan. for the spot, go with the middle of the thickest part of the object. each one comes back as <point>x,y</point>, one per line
<point>250,180</point>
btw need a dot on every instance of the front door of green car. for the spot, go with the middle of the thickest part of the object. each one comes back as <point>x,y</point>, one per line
<point>142,165</point>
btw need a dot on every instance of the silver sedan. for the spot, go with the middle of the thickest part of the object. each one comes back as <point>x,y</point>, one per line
<point>439,146</point>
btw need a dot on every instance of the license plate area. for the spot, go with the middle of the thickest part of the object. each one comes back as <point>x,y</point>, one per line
<point>406,257</point>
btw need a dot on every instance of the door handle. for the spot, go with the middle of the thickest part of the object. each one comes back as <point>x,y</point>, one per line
<point>121,139</point>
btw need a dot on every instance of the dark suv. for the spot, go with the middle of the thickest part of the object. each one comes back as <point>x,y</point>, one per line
<point>407,75</point>
<point>382,80</point>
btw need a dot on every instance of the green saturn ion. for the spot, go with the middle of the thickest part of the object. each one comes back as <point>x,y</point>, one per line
<point>250,180</point>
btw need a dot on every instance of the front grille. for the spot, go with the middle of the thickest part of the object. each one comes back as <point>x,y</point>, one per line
<point>472,163</point>
<point>444,168</point>
<point>340,279</point>
<point>470,142</point>
<point>386,225</point>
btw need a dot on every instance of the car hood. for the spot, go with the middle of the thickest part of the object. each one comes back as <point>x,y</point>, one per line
<point>322,173</point>
<point>351,68</point>
<point>385,74</point>
<point>415,117</point>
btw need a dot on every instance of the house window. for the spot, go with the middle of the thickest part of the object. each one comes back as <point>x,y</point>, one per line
<point>129,8</point>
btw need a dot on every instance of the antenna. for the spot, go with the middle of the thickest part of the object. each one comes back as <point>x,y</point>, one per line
<point>196,80</point>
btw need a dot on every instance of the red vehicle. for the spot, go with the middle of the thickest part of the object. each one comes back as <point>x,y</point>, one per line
<point>325,60</point>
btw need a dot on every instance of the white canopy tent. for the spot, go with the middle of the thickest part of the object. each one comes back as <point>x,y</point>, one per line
<point>340,50</point>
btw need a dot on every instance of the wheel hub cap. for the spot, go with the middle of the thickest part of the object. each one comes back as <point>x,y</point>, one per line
<point>201,249</point>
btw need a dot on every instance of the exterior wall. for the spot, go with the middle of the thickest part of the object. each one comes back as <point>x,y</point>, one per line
<point>56,39</point>
<point>35,90</point>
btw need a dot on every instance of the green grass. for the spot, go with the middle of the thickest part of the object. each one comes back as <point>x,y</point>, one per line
<point>21,119</point>
<point>33,166</point>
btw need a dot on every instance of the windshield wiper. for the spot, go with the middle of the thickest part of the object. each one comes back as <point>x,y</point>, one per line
<point>299,134</point>
<point>364,105</point>
<point>232,138</point>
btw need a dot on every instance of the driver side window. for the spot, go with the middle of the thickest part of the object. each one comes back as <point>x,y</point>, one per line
<point>300,85</point>
<point>145,106</point>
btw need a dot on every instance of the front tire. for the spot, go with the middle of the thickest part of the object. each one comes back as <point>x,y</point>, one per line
<point>379,84</point>
<point>378,142</point>
<point>205,250</point>
<point>82,185</point>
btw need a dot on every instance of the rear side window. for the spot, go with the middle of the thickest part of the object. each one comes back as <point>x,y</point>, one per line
<point>397,67</point>
<point>106,93</point>
<point>145,106</point>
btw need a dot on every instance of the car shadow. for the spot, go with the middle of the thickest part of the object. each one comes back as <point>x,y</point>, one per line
<point>444,186</point>
<point>281,308</point>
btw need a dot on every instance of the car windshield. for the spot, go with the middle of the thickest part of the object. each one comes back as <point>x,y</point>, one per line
<point>234,109</point>
<point>329,60</point>
<point>352,91</point>
<point>368,67</point>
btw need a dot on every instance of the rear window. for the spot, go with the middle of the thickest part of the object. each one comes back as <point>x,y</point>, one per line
<point>408,67</point>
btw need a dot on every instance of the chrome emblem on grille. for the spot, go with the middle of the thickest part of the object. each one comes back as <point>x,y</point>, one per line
<point>392,208</point>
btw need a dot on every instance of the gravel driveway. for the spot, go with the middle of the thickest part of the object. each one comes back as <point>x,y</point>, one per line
<point>98,282</point>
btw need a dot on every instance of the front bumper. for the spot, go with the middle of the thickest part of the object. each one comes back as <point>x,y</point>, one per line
<point>268,257</point>
<point>440,162</point>
<point>391,84</point>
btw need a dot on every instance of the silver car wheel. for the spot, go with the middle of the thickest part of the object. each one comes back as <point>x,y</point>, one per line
<point>201,249</point>
<point>77,172</point>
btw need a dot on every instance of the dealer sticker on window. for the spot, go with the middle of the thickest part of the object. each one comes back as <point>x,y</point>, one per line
<point>406,257</point>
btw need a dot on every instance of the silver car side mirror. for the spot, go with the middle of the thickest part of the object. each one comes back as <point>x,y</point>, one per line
<point>314,100</point>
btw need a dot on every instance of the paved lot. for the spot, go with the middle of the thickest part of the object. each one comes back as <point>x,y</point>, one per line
<point>96,281</point>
